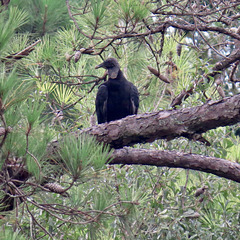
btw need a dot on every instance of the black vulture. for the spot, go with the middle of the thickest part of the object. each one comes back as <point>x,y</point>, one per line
<point>117,97</point>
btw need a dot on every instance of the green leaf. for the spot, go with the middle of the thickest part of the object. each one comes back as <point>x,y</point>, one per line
<point>81,152</point>
<point>10,87</point>
<point>7,234</point>
<point>64,95</point>
<point>9,22</point>
<point>34,108</point>
<point>98,9</point>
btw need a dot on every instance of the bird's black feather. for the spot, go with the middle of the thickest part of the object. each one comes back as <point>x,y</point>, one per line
<point>117,97</point>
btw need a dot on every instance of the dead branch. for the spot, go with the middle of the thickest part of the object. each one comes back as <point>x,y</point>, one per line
<point>225,63</point>
<point>25,52</point>
<point>173,159</point>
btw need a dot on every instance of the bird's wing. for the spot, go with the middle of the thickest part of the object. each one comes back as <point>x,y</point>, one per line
<point>134,99</point>
<point>101,103</point>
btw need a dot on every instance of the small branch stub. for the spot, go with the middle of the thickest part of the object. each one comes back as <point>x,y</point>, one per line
<point>157,74</point>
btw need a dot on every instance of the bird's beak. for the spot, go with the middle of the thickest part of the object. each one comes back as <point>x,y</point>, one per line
<point>99,66</point>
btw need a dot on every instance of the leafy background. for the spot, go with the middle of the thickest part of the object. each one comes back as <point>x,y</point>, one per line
<point>47,94</point>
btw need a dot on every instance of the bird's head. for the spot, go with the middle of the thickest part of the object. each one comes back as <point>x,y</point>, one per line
<point>112,66</point>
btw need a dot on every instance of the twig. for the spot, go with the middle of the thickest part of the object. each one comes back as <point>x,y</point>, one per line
<point>23,52</point>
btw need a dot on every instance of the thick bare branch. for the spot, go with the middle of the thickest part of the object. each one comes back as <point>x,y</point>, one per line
<point>216,166</point>
<point>203,27</point>
<point>225,63</point>
<point>168,124</point>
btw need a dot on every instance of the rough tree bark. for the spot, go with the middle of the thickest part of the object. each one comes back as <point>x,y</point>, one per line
<point>217,166</point>
<point>168,124</point>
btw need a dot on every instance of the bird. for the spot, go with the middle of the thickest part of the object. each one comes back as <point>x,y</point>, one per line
<point>117,97</point>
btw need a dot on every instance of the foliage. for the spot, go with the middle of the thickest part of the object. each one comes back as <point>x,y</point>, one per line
<point>7,234</point>
<point>49,91</point>
<point>79,153</point>
<point>45,16</point>
<point>9,22</point>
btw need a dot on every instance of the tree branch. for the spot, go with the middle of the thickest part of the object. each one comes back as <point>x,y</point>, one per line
<point>25,52</point>
<point>225,63</point>
<point>216,166</point>
<point>168,124</point>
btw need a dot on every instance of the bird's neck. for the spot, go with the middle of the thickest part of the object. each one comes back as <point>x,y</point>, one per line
<point>120,76</point>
